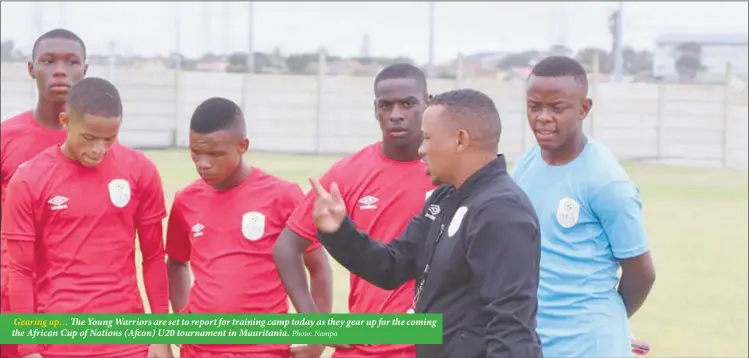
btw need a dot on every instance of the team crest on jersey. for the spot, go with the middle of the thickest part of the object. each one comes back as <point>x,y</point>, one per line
<point>253,225</point>
<point>119,192</point>
<point>568,212</point>
<point>456,221</point>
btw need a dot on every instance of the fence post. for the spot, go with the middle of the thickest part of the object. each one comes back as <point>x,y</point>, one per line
<point>659,130</point>
<point>321,71</point>
<point>177,107</point>
<point>459,71</point>
<point>246,100</point>
<point>596,78</point>
<point>726,114</point>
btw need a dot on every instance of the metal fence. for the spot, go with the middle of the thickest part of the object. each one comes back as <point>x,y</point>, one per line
<point>668,123</point>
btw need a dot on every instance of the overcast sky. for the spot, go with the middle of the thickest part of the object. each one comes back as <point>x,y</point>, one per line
<point>394,28</point>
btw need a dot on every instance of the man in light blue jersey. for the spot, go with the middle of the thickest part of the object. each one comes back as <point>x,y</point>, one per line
<point>591,222</point>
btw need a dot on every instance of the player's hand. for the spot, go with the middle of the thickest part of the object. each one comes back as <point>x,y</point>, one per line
<point>160,351</point>
<point>307,351</point>
<point>330,210</point>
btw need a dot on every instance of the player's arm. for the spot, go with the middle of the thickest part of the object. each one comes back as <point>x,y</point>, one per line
<point>315,259</point>
<point>292,254</point>
<point>297,248</point>
<point>321,278</point>
<point>619,209</point>
<point>387,266</point>
<point>150,213</point>
<point>178,249</point>
<point>504,253</point>
<point>19,232</point>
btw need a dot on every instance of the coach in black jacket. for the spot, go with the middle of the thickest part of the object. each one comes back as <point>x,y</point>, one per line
<point>474,250</point>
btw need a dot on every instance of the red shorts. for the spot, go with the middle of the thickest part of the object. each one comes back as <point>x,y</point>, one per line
<point>139,354</point>
<point>409,352</point>
<point>190,351</point>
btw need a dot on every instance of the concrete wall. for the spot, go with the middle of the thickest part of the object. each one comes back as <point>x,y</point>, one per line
<point>679,124</point>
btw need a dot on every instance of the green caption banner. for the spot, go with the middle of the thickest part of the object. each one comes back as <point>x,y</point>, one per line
<point>220,329</point>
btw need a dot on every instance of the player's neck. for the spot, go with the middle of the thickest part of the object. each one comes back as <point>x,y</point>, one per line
<point>48,114</point>
<point>566,152</point>
<point>67,153</point>
<point>400,153</point>
<point>237,177</point>
<point>470,166</point>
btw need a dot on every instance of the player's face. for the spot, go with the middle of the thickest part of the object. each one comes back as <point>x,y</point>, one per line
<point>556,107</point>
<point>217,155</point>
<point>90,136</point>
<point>58,65</point>
<point>399,104</point>
<point>440,146</point>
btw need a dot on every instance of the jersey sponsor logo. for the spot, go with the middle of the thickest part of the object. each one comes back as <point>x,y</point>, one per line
<point>58,203</point>
<point>253,225</point>
<point>119,192</point>
<point>568,212</point>
<point>433,211</point>
<point>456,221</point>
<point>368,202</point>
<point>197,230</point>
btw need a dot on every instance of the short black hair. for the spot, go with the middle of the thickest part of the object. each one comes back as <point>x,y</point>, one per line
<point>95,96</point>
<point>561,66</point>
<point>216,114</point>
<point>58,34</point>
<point>475,112</point>
<point>402,70</point>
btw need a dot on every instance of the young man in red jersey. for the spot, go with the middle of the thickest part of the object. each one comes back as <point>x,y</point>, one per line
<point>225,225</point>
<point>57,63</point>
<point>384,186</point>
<point>70,217</point>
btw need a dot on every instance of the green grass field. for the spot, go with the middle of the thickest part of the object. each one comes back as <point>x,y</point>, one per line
<point>697,220</point>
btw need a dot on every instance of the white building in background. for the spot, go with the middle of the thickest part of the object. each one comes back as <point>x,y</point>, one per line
<point>716,51</point>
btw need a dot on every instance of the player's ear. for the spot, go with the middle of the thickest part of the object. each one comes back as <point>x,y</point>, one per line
<point>462,140</point>
<point>587,105</point>
<point>244,145</point>
<point>30,67</point>
<point>64,119</point>
<point>85,69</point>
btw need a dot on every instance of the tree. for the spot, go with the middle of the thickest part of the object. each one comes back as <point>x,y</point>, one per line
<point>522,59</point>
<point>209,57</point>
<point>559,50</point>
<point>298,63</point>
<point>605,61</point>
<point>7,47</point>
<point>689,63</point>
<point>637,62</point>
<point>237,62</point>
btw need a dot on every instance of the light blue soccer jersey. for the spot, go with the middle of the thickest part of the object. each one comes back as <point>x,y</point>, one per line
<point>591,216</point>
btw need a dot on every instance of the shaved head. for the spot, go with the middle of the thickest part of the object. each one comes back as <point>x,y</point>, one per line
<point>474,112</point>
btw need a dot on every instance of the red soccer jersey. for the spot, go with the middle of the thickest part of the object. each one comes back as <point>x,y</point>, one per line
<point>228,237</point>
<point>21,138</point>
<point>382,196</point>
<point>82,222</point>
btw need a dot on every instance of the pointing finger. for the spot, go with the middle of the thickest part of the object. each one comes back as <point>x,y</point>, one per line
<point>317,187</point>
